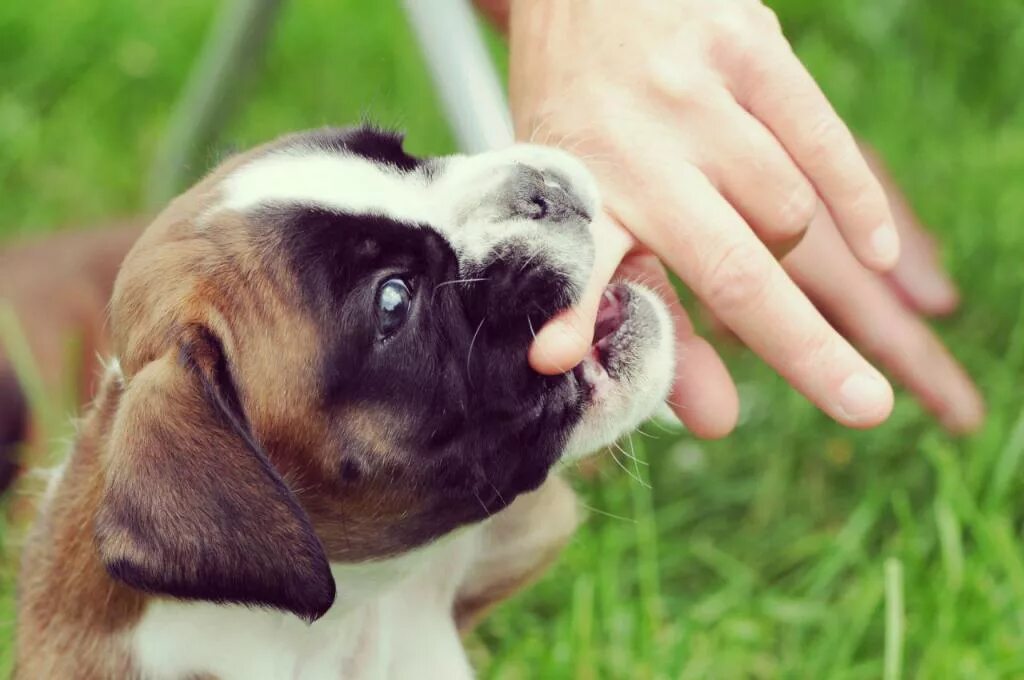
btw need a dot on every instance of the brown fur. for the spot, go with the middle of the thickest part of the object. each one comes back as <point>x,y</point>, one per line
<point>60,565</point>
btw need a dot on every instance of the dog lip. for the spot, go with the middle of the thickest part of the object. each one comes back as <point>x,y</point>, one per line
<point>612,314</point>
<point>587,373</point>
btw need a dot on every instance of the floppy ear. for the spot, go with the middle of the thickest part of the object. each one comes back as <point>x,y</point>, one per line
<point>191,506</point>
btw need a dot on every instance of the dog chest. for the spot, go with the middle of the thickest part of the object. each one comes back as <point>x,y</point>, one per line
<point>392,620</point>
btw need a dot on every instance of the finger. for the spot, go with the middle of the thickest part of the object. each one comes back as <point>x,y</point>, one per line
<point>743,285</point>
<point>759,179</point>
<point>861,305</point>
<point>715,326</point>
<point>703,394</point>
<point>779,91</point>
<point>919,278</point>
<point>563,342</point>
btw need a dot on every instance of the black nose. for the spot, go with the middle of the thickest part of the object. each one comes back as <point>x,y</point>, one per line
<point>543,196</point>
<point>526,277</point>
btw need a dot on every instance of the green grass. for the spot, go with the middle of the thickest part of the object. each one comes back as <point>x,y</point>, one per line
<point>794,549</point>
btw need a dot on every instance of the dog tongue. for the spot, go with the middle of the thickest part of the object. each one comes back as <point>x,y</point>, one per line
<point>609,315</point>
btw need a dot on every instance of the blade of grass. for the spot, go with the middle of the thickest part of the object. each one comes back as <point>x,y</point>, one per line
<point>894,619</point>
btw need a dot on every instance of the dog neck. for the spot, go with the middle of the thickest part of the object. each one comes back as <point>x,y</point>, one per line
<point>392,618</point>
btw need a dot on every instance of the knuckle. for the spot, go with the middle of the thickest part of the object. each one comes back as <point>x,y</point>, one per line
<point>746,41</point>
<point>731,26</point>
<point>866,204</point>
<point>823,135</point>
<point>812,352</point>
<point>743,20</point>
<point>680,88</point>
<point>796,210</point>
<point>738,279</point>
<point>734,27</point>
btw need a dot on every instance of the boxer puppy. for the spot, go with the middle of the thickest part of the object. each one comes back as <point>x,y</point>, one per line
<point>305,456</point>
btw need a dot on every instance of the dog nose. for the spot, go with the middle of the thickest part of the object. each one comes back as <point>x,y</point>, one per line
<point>527,236</point>
<point>544,196</point>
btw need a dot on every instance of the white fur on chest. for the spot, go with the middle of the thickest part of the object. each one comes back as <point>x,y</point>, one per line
<point>392,620</point>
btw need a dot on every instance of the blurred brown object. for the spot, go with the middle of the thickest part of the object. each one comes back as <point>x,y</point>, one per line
<point>58,287</point>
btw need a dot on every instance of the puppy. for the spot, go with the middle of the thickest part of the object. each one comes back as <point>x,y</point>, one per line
<point>319,449</point>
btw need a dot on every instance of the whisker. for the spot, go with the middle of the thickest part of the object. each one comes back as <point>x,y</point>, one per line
<point>529,260</point>
<point>636,463</point>
<point>535,133</point>
<point>624,468</point>
<point>469,355</point>
<point>451,283</point>
<point>672,403</point>
<point>589,508</point>
<point>481,502</point>
<point>663,428</point>
<point>646,434</point>
<point>632,456</point>
<point>495,489</point>
<point>636,458</point>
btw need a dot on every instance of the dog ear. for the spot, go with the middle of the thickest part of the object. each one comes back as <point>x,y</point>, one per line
<point>192,507</point>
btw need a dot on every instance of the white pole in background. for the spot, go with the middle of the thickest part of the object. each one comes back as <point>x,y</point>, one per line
<point>464,75</point>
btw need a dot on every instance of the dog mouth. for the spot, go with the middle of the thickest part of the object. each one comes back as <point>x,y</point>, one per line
<point>597,371</point>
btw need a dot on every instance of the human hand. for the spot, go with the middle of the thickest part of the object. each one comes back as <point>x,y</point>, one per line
<point>882,314</point>
<point>711,144</point>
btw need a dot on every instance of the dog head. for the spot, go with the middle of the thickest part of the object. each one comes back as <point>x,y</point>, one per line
<point>323,355</point>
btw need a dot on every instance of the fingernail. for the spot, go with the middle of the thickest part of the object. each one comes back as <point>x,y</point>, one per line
<point>886,245</point>
<point>862,396</point>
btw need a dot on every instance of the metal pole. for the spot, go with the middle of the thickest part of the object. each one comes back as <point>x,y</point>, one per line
<point>233,47</point>
<point>464,75</point>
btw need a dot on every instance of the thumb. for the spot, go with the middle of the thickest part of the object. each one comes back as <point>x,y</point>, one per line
<point>563,342</point>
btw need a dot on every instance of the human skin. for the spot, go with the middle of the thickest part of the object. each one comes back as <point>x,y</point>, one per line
<point>715,150</point>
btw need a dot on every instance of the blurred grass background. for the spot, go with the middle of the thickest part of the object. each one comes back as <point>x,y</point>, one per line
<point>795,549</point>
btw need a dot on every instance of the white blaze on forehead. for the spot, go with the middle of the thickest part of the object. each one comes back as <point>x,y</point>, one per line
<point>331,180</point>
<point>354,184</point>
<point>481,169</point>
<point>455,198</point>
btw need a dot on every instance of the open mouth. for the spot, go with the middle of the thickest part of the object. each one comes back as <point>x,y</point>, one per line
<point>597,369</point>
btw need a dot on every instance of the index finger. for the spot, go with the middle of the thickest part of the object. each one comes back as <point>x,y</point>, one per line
<point>710,247</point>
<point>784,97</point>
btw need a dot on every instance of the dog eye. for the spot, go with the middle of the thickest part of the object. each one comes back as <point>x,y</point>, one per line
<point>393,302</point>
